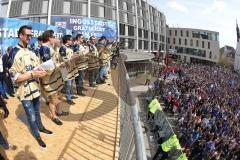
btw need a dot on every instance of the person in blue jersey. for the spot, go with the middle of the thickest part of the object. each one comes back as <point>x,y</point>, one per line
<point>53,82</point>
<point>25,75</point>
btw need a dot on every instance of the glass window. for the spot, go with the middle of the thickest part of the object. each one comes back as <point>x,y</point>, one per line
<point>139,32</point>
<point>197,43</point>
<point>202,44</point>
<point>25,8</point>
<point>185,42</point>
<point>191,42</point>
<point>66,7</point>
<point>84,9</point>
<point>45,7</point>
<point>122,29</point>
<point>175,32</point>
<point>210,55</point>
<point>181,33</point>
<point>174,41</point>
<point>140,44</point>
<point>130,30</point>
<point>145,44</point>
<point>180,41</point>
<point>187,33</point>
<point>101,12</point>
<point>170,32</point>
<point>209,45</point>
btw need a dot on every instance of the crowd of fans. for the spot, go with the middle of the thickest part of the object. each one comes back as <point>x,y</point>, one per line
<point>207,100</point>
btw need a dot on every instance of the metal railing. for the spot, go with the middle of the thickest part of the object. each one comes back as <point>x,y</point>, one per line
<point>132,144</point>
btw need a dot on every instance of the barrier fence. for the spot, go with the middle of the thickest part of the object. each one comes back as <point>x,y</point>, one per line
<point>132,145</point>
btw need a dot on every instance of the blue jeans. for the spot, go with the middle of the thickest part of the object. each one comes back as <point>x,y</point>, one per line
<point>31,108</point>
<point>108,67</point>
<point>3,142</point>
<point>68,87</point>
<point>102,70</point>
<point>79,78</point>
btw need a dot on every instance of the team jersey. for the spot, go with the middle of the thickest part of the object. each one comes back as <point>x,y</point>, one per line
<point>82,51</point>
<point>53,82</point>
<point>25,61</point>
<point>93,61</point>
<point>66,54</point>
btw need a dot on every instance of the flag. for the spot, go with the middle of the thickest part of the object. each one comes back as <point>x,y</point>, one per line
<point>238,34</point>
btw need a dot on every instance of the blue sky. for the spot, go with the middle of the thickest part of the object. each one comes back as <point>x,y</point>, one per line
<point>216,15</point>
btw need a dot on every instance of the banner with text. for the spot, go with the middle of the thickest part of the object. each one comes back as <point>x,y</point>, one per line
<point>88,26</point>
<point>9,31</point>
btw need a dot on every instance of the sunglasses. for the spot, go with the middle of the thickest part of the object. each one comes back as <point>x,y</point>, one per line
<point>29,35</point>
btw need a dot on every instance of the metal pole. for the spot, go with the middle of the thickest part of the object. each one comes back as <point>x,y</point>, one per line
<point>118,24</point>
<point>136,24</point>
<point>89,8</point>
<point>9,8</point>
<point>49,12</point>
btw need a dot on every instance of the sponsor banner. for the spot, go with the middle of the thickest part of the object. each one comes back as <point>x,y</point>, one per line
<point>9,31</point>
<point>87,26</point>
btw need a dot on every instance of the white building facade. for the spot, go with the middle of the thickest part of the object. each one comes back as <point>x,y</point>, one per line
<point>190,44</point>
<point>142,27</point>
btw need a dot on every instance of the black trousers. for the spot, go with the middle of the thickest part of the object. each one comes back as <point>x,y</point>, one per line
<point>157,154</point>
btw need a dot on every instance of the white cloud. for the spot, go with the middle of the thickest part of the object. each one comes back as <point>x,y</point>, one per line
<point>217,6</point>
<point>178,7</point>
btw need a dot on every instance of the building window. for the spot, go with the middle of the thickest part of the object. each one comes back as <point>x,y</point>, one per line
<point>181,33</point>
<point>139,32</point>
<point>180,41</point>
<point>145,44</point>
<point>197,43</point>
<point>174,41</point>
<point>175,32</point>
<point>122,29</point>
<point>140,44</point>
<point>66,7</point>
<point>130,43</point>
<point>45,7</point>
<point>209,45</point>
<point>101,12</point>
<point>185,42</point>
<point>168,40</point>
<point>191,42</point>
<point>25,7</point>
<point>170,32</point>
<point>202,44</point>
<point>130,30</point>
<point>210,55</point>
<point>113,3</point>
<point>84,9</point>
<point>187,33</point>
<point>145,33</point>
